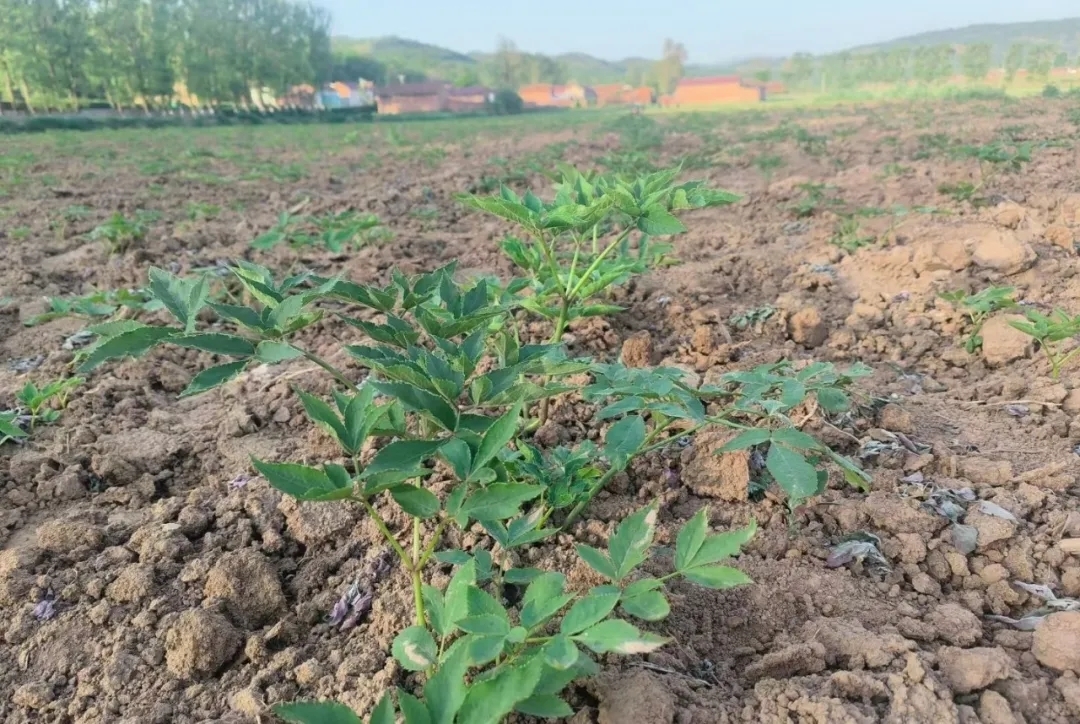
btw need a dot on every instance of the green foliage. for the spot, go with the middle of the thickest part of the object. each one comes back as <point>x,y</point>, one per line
<point>96,305</point>
<point>43,404</point>
<point>814,199</point>
<point>120,233</point>
<point>752,318</point>
<point>484,659</point>
<point>1050,331</point>
<point>978,307</point>
<point>846,235</point>
<point>337,232</point>
<point>10,428</point>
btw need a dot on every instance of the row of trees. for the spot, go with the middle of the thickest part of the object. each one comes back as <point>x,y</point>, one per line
<point>924,64</point>
<point>67,54</point>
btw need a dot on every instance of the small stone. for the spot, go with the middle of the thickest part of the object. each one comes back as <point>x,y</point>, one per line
<point>1071,403</point>
<point>991,528</point>
<point>1070,582</point>
<point>1069,688</point>
<point>1002,251</point>
<point>36,695</point>
<point>973,669</point>
<point>955,624</point>
<point>702,340</point>
<point>923,583</point>
<point>637,350</point>
<point>994,709</point>
<point>66,536</point>
<point>1001,342</point>
<point>1062,236</point>
<point>134,583</point>
<point>993,573</point>
<point>1057,641</point>
<point>308,672</point>
<point>806,327</point>
<point>795,660</point>
<point>248,702</point>
<point>896,419</point>
<point>249,585</point>
<point>314,523</point>
<point>199,643</point>
<point>725,476</point>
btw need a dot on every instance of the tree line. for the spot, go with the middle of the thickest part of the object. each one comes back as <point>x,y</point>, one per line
<point>69,54</point>
<point>924,64</point>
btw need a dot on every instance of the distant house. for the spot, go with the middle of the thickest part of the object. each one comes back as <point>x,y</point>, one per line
<point>298,96</point>
<point>570,95</point>
<point>347,95</point>
<point>713,91</point>
<point>431,97</point>
<point>622,94</point>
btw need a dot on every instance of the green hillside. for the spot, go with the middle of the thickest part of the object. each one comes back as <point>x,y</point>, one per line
<point>1063,33</point>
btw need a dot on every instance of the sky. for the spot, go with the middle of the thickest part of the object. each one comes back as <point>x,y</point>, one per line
<point>711,30</point>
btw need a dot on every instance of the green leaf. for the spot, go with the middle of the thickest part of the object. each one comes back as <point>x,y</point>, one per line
<point>589,610</point>
<point>546,706</point>
<point>792,472</point>
<point>401,455</point>
<point>489,701</point>
<point>412,708</point>
<point>415,649</point>
<point>325,712</point>
<point>648,605</point>
<point>720,546</point>
<point>183,298</point>
<point>598,561</point>
<point>211,377</point>
<point>457,593</point>
<point>717,577</point>
<point>623,439</point>
<point>445,691</point>
<point>497,437</point>
<point>417,400</point>
<point>560,653</point>
<point>485,624</point>
<point>629,545</point>
<point>457,454</point>
<point>796,439</point>
<point>416,501</point>
<point>435,611</point>
<point>243,316</point>
<point>499,501</point>
<point>543,599</point>
<point>618,636</point>
<point>133,343</point>
<point>324,415</point>
<point>272,352</point>
<point>656,221</point>
<point>383,713</point>
<point>226,344</point>
<point>690,538</point>
<point>9,429</point>
<point>745,439</point>
<point>300,481</point>
<point>833,401</point>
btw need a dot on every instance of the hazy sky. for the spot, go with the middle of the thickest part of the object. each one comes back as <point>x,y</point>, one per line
<point>711,30</point>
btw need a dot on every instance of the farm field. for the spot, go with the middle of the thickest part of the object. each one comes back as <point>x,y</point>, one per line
<point>149,573</point>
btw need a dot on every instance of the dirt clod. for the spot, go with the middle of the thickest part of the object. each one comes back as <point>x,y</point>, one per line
<point>1057,642</point>
<point>637,350</point>
<point>636,698</point>
<point>249,585</point>
<point>973,669</point>
<point>199,643</point>
<point>808,328</point>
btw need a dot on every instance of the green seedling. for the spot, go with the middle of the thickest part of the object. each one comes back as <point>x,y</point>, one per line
<point>9,426</point>
<point>1050,331</point>
<point>768,164</point>
<point>978,307</point>
<point>752,318</point>
<point>96,305</point>
<point>993,159</point>
<point>814,199</point>
<point>846,236</point>
<point>202,211</point>
<point>43,404</point>
<point>336,232</point>
<point>120,233</point>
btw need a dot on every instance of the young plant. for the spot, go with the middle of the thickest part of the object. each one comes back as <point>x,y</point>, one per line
<point>120,233</point>
<point>768,164</point>
<point>348,229</point>
<point>43,404</point>
<point>847,236</point>
<point>1050,331</point>
<point>96,305</point>
<point>977,307</point>
<point>578,246</point>
<point>11,426</point>
<point>482,659</point>
<point>814,199</point>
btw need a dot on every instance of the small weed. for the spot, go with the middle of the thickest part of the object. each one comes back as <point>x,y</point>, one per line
<point>752,318</point>
<point>846,236</point>
<point>95,305</point>
<point>202,211</point>
<point>814,199</point>
<point>120,233</point>
<point>347,229</point>
<point>43,404</point>
<point>1050,331</point>
<point>978,307</point>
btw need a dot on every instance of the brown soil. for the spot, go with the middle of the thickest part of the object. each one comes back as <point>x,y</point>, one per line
<point>184,594</point>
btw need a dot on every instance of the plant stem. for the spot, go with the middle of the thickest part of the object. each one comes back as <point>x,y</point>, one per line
<point>329,368</point>
<point>417,581</point>
<point>381,525</point>
<point>435,538</point>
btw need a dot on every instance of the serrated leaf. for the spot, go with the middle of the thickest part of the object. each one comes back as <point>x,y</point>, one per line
<point>445,691</point>
<point>489,701</point>
<point>485,624</point>
<point>322,414</point>
<point>132,343</point>
<point>300,481</point>
<point>226,344</point>
<point>412,709</point>
<point>457,454</point>
<point>796,439</point>
<point>543,599</point>
<point>560,653</point>
<point>719,546</point>
<point>792,472</point>
<point>833,401</point>
<point>589,610</point>
<point>629,545</point>
<point>211,377</point>
<point>435,610</point>
<point>416,501</point>
<point>401,455</point>
<point>324,712</point>
<point>457,593</point>
<point>272,352</point>
<point>497,437</point>
<point>181,297</point>
<point>415,649</point>
<point>690,538</point>
<point>383,713</point>
<point>417,400</point>
<point>745,439</point>
<point>499,501</point>
<point>648,606</point>
<point>656,221</point>
<point>623,439</point>
<point>618,636</point>
<point>716,577</point>
<point>598,561</point>
<point>545,706</point>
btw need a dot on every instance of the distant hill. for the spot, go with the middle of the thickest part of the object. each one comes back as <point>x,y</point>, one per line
<point>1064,33</point>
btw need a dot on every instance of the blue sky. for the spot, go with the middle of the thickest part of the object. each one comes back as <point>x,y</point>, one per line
<point>711,30</point>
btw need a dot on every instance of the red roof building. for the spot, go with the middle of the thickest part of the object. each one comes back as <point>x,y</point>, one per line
<point>712,91</point>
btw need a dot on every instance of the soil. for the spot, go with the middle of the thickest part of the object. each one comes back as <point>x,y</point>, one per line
<point>147,576</point>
